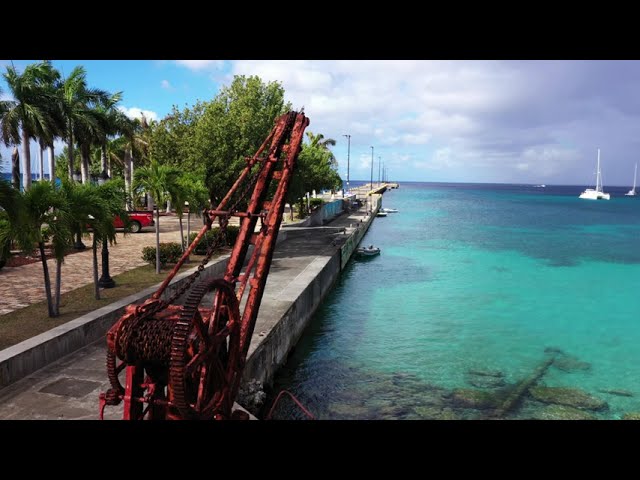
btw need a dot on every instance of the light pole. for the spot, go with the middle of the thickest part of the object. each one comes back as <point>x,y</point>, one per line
<point>105,280</point>
<point>371,181</point>
<point>371,184</point>
<point>379,171</point>
<point>348,155</point>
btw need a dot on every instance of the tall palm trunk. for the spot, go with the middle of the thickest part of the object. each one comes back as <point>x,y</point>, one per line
<point>41,162</point>
<point>15,168</point>
<point>109,166</point>
<point>127,177</point>
<point>157,239</point>
<point>26,159</point>
<point>103,159</point>
<point>71,159</point>
<point>52,166</point>
<point>58,286</point>
<point>84,154</point>
<point>47,281</point>
<point>95,266</point>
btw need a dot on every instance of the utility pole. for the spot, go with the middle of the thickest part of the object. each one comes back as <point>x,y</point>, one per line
<point>348,155</point>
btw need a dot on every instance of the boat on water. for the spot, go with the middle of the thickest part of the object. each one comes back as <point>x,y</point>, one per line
<point>597,193</point>
<point>540,186</point>
<point>632,192</point>
<point>369,251</point>
<point>381,214</point>
<point>389,210</point>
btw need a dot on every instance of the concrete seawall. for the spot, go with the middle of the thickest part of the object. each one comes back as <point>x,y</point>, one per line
<point>26,357</point>
<point>290,313</point>
<point>303,270</point>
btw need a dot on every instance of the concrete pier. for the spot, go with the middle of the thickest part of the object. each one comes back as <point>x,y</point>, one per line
<point>305,266</point>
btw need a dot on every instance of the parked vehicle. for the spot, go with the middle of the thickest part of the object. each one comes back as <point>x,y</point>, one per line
<point>139,219</point>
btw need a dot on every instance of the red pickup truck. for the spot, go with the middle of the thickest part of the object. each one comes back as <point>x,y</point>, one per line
<point>139,219</point>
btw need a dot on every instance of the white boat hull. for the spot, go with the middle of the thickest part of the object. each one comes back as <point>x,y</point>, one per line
<point>591,194</point>
<point>631,193</point>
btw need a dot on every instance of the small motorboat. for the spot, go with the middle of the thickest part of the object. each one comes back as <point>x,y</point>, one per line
<point>369,251</point>
<point>381,214</point>
<point>389,210</point>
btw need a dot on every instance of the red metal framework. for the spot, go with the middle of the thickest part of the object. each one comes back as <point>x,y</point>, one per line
<point>185,361</point>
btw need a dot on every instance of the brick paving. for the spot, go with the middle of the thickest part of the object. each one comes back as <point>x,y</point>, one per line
<point>23,286</point>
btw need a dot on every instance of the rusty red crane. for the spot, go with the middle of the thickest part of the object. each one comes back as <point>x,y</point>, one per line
<point>185,361</point>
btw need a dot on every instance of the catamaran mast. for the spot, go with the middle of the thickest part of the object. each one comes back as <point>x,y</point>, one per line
<point>598,181</point>
<point>634,177</point>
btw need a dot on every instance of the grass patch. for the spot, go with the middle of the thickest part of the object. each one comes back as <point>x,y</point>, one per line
<point>33,320</point>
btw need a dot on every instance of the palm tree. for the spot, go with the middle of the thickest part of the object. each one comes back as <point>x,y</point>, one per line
<point>131,142</point>
<point>15,168</point>
<point>77,100</point>
<point>32,112</point>
<point>156,180</point>
<point>112,193</point>
<point>11,216</point>
<point>111,120</point>
<point>42,204</point>
<point>319,141</point>
<point>196,194</point>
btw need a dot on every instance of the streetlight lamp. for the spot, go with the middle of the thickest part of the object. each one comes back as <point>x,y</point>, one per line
<point>348,155</point>
<point>379,171</point>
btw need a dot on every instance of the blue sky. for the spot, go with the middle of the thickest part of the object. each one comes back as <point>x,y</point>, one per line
<point>467,121</point>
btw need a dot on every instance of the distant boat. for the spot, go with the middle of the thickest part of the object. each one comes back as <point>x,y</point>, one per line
<point>381,214</point>
<point>598,193</point>
<point>389,210</point>
<point>632,192</point>
<point>540,186</point>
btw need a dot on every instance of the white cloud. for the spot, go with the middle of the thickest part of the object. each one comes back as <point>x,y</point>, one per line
<point>199,65</point>
<point>135,112</point>
<point>165,84</point>
<point>464,120</point>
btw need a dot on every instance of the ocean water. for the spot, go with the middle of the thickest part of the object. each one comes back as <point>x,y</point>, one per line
<point>491,278</point>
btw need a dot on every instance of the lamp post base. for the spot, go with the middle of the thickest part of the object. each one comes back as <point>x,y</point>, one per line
<point>106,282</point>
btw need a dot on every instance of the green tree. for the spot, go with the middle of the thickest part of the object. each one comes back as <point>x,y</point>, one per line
<point>11,216</point>
<point>77,102</point>
<point>42,205</point>
<point>316,169</point>
<point>232,126</point>
<point>157,181</point>
<point>33,112</point>
<point>196,194</point>
<point>109,204</point>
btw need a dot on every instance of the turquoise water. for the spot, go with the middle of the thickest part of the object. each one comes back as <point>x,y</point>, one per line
<point>477,277</point>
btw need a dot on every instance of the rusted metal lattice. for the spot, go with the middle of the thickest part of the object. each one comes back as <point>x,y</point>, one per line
<point>185,361</point>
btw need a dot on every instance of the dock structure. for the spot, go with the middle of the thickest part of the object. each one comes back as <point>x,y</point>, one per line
<point>371,189</point>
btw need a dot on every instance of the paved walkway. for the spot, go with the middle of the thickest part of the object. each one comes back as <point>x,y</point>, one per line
<point>69,388</point>
<point>23,286</point>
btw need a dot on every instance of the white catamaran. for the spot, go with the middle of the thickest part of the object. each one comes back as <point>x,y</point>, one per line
<point>597,194</point>
<point>632,192</point>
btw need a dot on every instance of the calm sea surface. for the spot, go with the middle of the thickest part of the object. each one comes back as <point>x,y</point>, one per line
<point>476,287</point>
